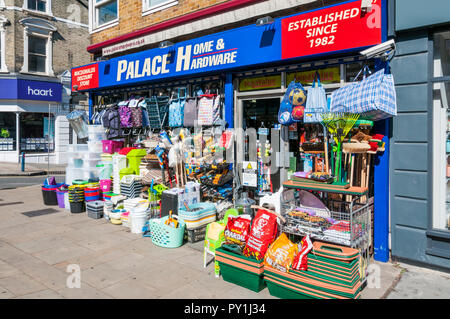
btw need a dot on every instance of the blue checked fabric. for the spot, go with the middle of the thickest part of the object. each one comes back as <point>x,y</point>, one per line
<point>374,97</point>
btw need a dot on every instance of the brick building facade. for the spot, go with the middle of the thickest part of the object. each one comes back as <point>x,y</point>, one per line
<point>41,41</point>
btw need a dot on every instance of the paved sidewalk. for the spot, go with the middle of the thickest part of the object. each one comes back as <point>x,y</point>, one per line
<point>37,251</point>
<point>31,169</point>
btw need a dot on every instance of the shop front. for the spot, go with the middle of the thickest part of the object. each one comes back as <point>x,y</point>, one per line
<point>33,120</point>
<point>209,112</point>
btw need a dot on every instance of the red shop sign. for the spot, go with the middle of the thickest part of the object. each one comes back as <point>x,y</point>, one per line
<point>85,77</point>
<point>336,28</point>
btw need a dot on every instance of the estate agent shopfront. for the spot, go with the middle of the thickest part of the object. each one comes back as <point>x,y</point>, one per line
<point>32,120</point>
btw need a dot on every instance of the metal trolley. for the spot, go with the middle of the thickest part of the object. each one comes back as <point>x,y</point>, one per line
<point>348,221</point>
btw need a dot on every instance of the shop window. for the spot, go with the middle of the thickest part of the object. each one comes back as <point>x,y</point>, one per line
<point>441,131</point>
<point>3,67</point>
<point>352,70</point>
<point>260,83</point>
<point>37,132</point>
<point>327,76</point>
<point>442,54</point>
<point>7,131</point>
<point>150,6</point>
<point>104,13</point>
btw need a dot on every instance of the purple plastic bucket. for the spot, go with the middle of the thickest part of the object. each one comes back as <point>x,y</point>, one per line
<point>60,199</point>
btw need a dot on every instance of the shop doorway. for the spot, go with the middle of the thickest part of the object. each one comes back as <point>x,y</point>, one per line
<point>257,120</point>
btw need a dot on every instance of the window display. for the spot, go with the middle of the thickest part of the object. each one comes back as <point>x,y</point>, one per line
<point>7,131</point>
<point>37,132</point>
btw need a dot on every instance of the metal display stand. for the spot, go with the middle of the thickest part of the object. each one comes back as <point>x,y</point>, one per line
<point>349,222</point>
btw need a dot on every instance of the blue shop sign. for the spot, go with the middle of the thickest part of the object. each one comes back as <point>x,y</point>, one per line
<point>326,30</point>
<point>235,48</point>
<point>17,89</point>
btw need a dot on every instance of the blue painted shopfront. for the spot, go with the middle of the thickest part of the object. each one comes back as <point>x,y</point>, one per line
<point>236,50</point>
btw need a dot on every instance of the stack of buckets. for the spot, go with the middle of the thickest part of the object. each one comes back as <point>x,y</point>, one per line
<point>49,194</point>
<point>92,192</point>
<point>76,199</point>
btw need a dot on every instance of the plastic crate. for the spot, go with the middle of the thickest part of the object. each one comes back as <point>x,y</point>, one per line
<point>196,234</point>
<point>95,215</point>
<point>240,270</point>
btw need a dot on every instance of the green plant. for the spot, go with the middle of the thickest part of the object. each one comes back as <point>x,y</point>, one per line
<point>5,133</point>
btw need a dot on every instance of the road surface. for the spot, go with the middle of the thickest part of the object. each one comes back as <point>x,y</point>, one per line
<point>11,182</point>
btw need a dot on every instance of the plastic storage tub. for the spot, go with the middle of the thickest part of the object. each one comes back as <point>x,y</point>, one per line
<point>111,147</point>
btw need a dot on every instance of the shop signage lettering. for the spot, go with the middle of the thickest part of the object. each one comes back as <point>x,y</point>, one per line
<point>327,76</point>
<point>259,83</point>
<point>39,90</point>
<point>189,57</point>
<point>335,28</point>
<point>85,77</point>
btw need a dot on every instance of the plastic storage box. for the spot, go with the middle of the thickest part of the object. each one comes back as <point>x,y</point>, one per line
<point>240,270</point>
<point>111,147</point>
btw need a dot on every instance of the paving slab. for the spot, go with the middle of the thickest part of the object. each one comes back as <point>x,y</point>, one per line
<point>21,284</point>
<point>131,289</point>
<point>5,293</point>
<point>7,270</point>
<point>43,294</point>
<point>62,253</point>
<point>421,283</point>
<point>85,291</point>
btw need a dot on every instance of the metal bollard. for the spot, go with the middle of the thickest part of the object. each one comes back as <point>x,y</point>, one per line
<point>23,162</point>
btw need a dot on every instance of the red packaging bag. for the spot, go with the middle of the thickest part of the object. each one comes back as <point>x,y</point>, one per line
<point>262,234</point>
<point>237,230</point>
<point>301,259</point>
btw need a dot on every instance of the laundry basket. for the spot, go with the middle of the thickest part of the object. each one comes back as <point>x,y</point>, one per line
<point>164,235</point>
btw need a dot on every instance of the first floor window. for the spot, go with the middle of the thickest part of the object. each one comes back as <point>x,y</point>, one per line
<point>37,54</point>
<point>37,5</point>
<point>155,5</point>
<point>105,11</point>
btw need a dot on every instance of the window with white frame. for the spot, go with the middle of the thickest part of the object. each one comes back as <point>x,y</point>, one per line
<point>150,6</point>
<point>3,67</point>
<point>44,6</point>
<point>103,13</point>
<point>38,46</point>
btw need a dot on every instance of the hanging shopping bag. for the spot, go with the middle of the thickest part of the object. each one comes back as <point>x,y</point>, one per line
<point>125,116</point>
<point>316,101</point>
<point>190,112</point>
<point>292,104</point>
<point>206,110</point>
<point>374,97</point>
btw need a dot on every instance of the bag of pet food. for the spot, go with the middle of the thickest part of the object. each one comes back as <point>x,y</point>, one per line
<point>281,253</point>
<point>262,234</point>
<point>301,260</point>
<point>237,229</point>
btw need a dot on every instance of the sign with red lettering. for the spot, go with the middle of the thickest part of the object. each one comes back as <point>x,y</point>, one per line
<point>335,28</point>
<point>85,77</point>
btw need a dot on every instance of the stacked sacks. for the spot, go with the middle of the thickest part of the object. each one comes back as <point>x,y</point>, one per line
<point>332,273</point>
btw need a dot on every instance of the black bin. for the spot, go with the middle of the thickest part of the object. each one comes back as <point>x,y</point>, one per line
<point>79,207</point>
<point>49,195</point>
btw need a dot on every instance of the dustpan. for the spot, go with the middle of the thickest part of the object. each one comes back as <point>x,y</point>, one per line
<point>309,200</point>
